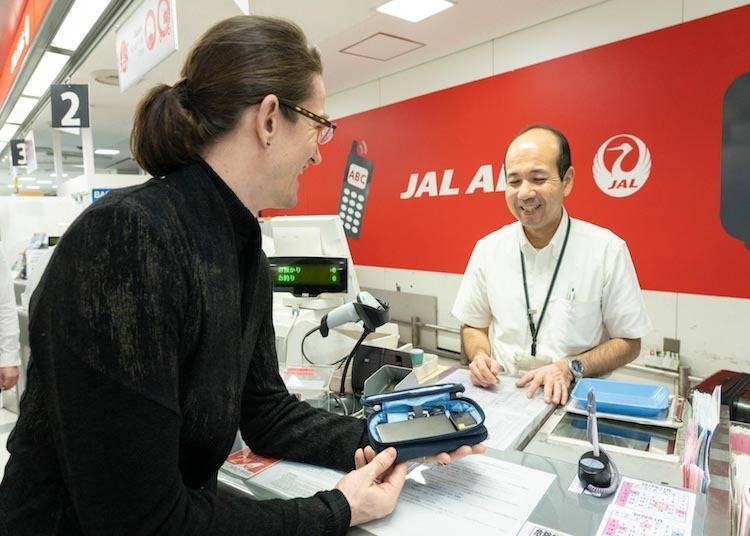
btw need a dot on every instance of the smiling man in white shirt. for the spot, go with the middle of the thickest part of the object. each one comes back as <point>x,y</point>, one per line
<point>548,297</point>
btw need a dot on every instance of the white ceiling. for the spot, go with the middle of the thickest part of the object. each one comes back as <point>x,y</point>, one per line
<point>331,25</point>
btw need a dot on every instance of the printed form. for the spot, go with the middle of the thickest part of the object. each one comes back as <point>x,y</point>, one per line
<point>648,509</point>
<point>509,414</point>
<point>477,495</point>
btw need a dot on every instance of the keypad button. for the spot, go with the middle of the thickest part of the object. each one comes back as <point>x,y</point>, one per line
<point>357,214</point>
<point>346,191</point>
<point>355,229</point>
<point>359,206</point>
<point>346,225</point>
<point>342,214</point>
<point>348,218</point>
<point>350,210</point>
<point>352,202</point>
<point>343,205</point>
<point>361,198</point>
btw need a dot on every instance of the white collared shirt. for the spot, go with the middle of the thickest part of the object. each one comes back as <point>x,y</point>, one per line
<point>596,295</point>
<point>10,348</point>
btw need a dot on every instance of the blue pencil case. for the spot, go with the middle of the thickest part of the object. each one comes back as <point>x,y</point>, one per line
<point>424,421</point>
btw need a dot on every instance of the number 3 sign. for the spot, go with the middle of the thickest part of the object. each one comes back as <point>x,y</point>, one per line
<point>70,105</point>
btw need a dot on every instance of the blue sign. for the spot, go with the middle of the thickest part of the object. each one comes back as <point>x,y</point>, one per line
<point>96,193</point>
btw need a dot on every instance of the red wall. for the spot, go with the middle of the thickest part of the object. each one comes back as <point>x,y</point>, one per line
<point>665,87</point>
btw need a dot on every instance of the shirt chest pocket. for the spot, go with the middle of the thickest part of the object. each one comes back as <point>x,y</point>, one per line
<point>577,325</point>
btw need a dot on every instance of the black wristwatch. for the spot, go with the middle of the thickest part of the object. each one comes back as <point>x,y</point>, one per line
<point>575,366</point>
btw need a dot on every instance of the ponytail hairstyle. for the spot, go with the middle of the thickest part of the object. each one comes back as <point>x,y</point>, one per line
<point>235,64</point>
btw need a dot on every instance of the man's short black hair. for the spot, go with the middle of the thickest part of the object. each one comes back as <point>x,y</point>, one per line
<point>563,158</point>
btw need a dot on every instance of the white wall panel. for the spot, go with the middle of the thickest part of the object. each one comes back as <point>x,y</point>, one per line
<point>370,276</point>
<point>662,309</point>
<point>694,9</point>
<point>354,100</point>
<point>443,286</point>
<point>594,26</point>
<point>713,333</point>
<point>458,68</point>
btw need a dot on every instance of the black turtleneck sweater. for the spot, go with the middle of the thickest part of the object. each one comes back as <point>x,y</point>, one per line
<point>152,342</point>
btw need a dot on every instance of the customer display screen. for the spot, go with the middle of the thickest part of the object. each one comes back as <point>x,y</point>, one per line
<point>309,276</point>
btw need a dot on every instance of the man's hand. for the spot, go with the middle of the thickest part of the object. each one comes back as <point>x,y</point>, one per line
<point>366,455</point>
<point>556,379</point>
<point>374,486</point>
<point>484,370</point>
<point>8,377</point>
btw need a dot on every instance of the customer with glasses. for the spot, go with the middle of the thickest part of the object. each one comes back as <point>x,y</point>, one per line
<point>548,298</point>
<point>151,330</point>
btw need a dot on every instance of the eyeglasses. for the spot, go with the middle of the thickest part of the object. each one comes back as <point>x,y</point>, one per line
<point>325,134</point>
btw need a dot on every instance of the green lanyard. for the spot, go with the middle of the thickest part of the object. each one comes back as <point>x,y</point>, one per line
<point>529,311</point>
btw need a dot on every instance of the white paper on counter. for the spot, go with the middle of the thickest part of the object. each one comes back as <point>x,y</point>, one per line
<point>619,521</point>
<point>477,495</point>
<point>291,479</point>
<point>509,414</point>
<point>532,529</point>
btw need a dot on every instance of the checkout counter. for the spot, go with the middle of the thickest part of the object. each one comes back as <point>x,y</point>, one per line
<point>553,444</point>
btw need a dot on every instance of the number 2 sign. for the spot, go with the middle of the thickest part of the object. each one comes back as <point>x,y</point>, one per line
<point>70,105</point>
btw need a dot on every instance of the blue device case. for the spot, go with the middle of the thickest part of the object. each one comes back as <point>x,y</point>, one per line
<point>396,406</point>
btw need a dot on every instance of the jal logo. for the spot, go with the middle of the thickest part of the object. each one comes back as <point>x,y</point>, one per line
<point>357,176</point>
<point>622,165</point>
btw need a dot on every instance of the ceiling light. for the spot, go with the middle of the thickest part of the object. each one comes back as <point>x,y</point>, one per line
<point>55,175</point>
<point>22,109</point>
<point>54,186</point>
<point>11,186</point>
<point>26,179</point>
<point>32,187</point>
<point>7,131</point>
<point>45,73</point>
<point>107,152</point>
<point>414,10</point>
<point>79,20</point>
<point>43,181</point>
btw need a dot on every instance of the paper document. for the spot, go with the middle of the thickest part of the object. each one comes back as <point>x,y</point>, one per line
<point>648,509</point>
<point>532,529</point>
<point>619,521</point>
<point>477,495</point>
<point>739,481</point>
<point>291,479</point>
<point>245,463</point>
<point>509,414</point>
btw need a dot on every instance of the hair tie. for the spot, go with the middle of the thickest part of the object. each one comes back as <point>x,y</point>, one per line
<point>181,89</point>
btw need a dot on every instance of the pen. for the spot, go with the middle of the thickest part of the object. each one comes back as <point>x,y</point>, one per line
<point>594,429</point>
